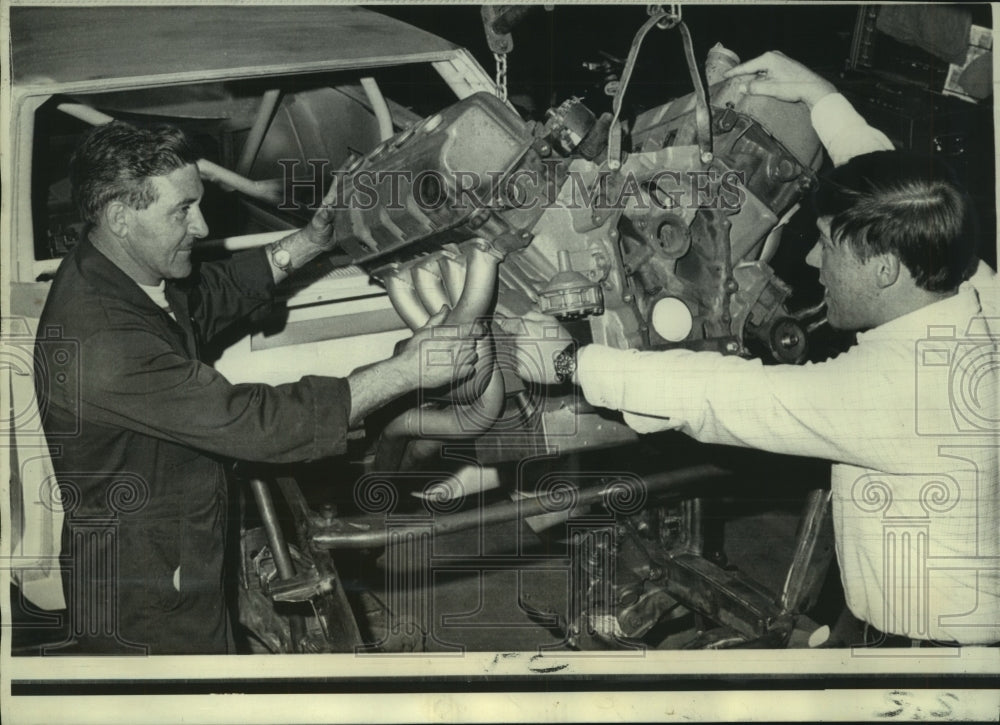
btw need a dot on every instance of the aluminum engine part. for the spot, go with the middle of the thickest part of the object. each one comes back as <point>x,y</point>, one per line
<point>440,181</point>
<point>569,295</point>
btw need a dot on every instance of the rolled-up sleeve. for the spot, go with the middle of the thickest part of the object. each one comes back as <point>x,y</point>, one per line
<point>137,380</point>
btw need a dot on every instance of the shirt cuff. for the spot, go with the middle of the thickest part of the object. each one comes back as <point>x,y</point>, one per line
<point>843,131</point>
<point>253,273</point>
<point>599,373</point>
<point>657,390</point>
<point>830,113</point>
<point>331,399</point>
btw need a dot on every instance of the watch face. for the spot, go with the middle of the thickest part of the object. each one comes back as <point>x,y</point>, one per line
<point>564,363</point>
<point>282,258</point>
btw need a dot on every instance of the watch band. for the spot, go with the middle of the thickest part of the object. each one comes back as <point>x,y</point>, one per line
<point>564,363</point>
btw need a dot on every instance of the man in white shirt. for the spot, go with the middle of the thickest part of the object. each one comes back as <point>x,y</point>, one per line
<point>908,416</point>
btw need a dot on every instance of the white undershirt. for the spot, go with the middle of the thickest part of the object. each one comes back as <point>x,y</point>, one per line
<point>158,293</point>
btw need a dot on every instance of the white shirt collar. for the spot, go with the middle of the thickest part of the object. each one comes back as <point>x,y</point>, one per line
<point>957,312</point>
<point>157,293</point>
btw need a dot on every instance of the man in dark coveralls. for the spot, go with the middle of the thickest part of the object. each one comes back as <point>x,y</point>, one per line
<point>144,482</point>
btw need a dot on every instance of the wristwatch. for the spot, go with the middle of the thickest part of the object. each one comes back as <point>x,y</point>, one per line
<point>564,363</point>
<point>282,259</point>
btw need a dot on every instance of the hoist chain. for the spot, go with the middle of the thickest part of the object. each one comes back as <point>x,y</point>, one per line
<point>501,61</point>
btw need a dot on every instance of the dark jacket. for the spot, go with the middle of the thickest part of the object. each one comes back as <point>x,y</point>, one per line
<point>140,431</point>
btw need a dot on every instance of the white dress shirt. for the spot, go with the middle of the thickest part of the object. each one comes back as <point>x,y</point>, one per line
<point>909,417</point>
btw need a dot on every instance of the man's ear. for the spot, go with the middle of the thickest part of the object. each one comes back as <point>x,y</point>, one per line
<point>885,268</point>
<point>116,218</point>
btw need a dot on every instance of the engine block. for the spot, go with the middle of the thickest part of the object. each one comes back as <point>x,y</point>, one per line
<point>668,250</point>
<point>475,208</point>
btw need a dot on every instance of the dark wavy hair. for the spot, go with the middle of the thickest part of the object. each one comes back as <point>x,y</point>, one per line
<point>911,206</point>
<point>115,162</point>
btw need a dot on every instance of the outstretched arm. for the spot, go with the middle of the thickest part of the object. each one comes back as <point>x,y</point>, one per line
<point>776,75</point>
<point>138,380</point>
<point>376,385</point>
<point>841,129</point>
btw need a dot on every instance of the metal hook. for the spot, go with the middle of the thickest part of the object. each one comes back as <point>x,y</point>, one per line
<point>673,15</point>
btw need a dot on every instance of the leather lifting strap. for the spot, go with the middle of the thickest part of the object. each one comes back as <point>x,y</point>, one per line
<point>702,115</point>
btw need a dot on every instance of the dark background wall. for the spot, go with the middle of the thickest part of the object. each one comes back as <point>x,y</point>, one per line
<point>899,95</point>
<point>550,47</point>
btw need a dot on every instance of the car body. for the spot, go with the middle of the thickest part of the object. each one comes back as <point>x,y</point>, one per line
<point>302,91</point>
<point>280,98</point>
<point>187,66</point>
<point>289,78</point>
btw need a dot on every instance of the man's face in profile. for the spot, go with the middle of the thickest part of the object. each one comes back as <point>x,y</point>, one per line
<point>848,295</point>
<point>161,236</point>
